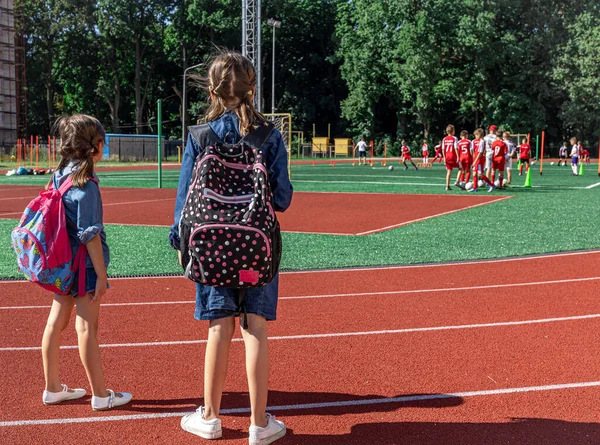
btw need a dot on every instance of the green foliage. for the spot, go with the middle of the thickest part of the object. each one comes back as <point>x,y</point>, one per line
<point>578,70</point>
<point>393,69</point>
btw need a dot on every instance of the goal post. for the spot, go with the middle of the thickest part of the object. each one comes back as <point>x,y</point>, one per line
<point>283,122</point>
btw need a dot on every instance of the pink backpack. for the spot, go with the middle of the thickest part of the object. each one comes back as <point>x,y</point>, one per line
<point>42,245</point>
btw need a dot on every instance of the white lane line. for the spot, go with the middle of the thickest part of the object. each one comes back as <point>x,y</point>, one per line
<point>355,294</point>
<point>449,212</point>
<point>310,406</point>
<point>532,257</point>
<point>332,334</point>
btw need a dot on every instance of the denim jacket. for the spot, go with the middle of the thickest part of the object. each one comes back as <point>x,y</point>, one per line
<point>83,211</point>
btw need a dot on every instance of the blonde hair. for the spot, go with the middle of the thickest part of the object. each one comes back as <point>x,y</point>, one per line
<point>450,129</point>
<point>80,136</point>
<point>479,133</point>
<point>231,80</point>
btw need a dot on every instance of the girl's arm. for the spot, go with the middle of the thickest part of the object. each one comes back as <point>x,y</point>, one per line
<point>94,248</point>
<point>185,176</point>
<point>278,174</point>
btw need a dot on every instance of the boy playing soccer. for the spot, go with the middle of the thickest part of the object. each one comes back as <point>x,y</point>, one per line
<point>438,154</point>
<point>406,156</point>
<point>499,156</point>
<point>361,147</point>
<point>449,144</point>
<point>425,152</point>
<point>489,140</point>
<point>509,156</point>
<point>479,160</point>
<point>465,158</point>
<point>574,156</point>
<point>524,155</point>
<point>562,153</point>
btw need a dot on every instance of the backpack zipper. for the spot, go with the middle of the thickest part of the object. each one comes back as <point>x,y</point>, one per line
<point>234,226</point>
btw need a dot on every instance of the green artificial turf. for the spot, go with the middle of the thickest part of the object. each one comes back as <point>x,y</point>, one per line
<point>537,220</point>
<point>346,178</point>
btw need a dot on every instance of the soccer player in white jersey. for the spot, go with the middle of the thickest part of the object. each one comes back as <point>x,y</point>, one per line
<point>489,151</point>
<point>574,156</point>
<point>361,147</point>
<point>511,152</point>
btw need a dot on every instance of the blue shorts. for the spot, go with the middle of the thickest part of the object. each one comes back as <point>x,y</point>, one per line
<point>90,282</point>
<point>575,160</point>
<point>213,303</point>
<point>362,154</point>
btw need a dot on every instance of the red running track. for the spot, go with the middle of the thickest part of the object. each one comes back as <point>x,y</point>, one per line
<point>325,213</point>
<point>359,339</point>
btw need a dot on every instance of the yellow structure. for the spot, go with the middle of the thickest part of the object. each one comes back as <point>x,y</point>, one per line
<point>343,147</point>
<point>320,146</point>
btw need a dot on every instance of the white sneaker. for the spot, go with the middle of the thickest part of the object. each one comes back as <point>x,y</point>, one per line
<point>274,430</point>
<point>113,400</point>
<point>196,424</point>
<point>52,398</point>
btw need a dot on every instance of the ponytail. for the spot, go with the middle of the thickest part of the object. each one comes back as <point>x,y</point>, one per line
<point>231,82</point>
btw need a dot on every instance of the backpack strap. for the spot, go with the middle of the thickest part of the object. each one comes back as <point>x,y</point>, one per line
<point>65,186</point>
<point>79,266</point>
<point>204,135</point>
<point>257,137</point>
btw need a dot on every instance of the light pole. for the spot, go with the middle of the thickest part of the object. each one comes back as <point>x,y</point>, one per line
<point>184,105</point>
<point>275,24</point>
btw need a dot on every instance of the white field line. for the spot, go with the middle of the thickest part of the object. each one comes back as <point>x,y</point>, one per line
<point>441,184</point>
<point>449,212</point>
<point>329,335</point>
<point>309,406</point>
<point>366,269</point>
<point>593,185</point>
<point>356,294</point>
<point>361,176</point>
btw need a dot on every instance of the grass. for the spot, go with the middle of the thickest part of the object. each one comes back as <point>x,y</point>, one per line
<point>560,216</point>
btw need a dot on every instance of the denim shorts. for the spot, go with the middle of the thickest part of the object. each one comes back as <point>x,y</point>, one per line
<point>90,282</point>
<point>213,303</point>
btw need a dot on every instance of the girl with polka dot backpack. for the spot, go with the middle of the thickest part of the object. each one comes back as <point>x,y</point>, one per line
<point>233,179</point>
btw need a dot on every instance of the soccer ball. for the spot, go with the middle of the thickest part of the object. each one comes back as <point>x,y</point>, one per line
<point>552,163</point>
<point>497,183</point>
<point>391,168</point>
<point>504,182</point>
<point>469,185</point>
<point>480,183</point>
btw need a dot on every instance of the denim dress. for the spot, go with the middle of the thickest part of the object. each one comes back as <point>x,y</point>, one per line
<point>219,302</point>
<point>83,211</point>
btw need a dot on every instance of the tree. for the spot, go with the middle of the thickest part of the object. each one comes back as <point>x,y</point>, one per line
<point>577,71</point>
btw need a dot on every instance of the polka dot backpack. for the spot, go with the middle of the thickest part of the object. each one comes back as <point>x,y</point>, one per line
<point>229,233</point>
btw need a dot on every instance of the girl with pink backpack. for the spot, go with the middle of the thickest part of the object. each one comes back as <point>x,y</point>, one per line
<point>61,245</point>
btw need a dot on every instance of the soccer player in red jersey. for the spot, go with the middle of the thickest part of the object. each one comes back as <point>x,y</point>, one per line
<point>479,160</point>
<point>406,156</point>
<point>499,153</point>
<point>449,144</point>
<point>524,155</point>
<point>425,152</point>
<point>585,156</point>
<point>465,158</point>
<point>438,154</point>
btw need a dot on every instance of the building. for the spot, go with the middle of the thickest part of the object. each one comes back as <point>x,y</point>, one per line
<point>13,111</point>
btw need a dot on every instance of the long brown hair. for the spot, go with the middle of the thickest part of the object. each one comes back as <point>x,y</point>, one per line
<point>232,80</point>
<point>80,136</point>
